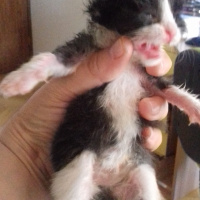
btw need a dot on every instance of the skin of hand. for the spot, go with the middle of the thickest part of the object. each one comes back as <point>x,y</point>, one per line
<point>26,138</point>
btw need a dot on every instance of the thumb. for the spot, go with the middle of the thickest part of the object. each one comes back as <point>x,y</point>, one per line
<point>99,68</point>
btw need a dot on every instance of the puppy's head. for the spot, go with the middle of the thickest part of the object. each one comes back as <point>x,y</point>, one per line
<point>149,24</point>
<point>125,16</point>
<point>128,16</point>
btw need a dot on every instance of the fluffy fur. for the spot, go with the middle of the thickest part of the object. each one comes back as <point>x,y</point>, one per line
<point>97,152</point>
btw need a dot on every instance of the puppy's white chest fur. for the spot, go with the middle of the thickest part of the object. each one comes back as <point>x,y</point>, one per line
<point>120,101</point>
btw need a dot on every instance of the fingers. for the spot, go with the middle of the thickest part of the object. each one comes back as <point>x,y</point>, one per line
<point>100,67</point>
<point>152,138</point>
<point>153,108</point>
<point>162,68</point>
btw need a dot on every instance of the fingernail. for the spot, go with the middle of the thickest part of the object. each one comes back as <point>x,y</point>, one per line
<point>117,49</point>
<point>154,108</point>
<point>147,132</point>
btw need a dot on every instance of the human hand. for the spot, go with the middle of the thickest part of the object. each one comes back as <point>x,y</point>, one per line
<point>154,108</point>
<point>25,140</point>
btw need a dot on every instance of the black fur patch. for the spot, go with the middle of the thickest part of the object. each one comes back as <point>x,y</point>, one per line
<point>86,126</point>
<point>152,82</point>
<point>75,50</point>
<point>105,194</point>
<point>125,16</point>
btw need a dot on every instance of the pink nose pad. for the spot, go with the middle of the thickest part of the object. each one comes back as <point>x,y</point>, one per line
<point>168,36</point>
<point>150,51</point>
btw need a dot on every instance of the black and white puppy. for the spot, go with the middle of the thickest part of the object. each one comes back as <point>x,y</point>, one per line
<point>97,152</point>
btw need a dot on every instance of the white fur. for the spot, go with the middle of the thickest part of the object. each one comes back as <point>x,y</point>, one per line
<point>169,22</point>
<point>144,176</point>
<point>38,69</point>
<point>103,37</point>
<point>75,181</point>
<point>151,35</point>
<point>139,183</point>
<point>120,101</point>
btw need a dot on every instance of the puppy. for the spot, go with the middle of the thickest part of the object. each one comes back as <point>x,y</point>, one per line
<point>97,152</point>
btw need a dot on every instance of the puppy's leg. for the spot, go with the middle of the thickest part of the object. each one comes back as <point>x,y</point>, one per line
<point>38,69</point>
<point>140,184</point>
<point>186,102</point>
<point>145,175</point>
<point>75,181</point>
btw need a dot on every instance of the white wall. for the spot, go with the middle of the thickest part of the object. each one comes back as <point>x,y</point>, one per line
<point>55,21</point>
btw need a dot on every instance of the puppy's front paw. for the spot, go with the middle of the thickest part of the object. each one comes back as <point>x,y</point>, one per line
<point>28,76</point>
<point>19,82</point>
